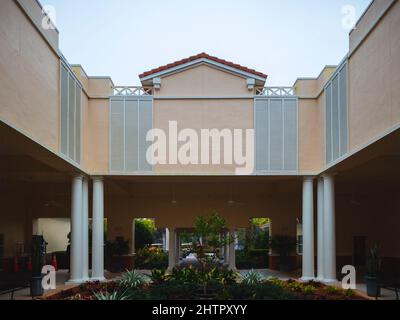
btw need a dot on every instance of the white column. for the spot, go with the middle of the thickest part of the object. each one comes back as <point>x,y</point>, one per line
<point>76,230</point>
<point>329,230</point>
<point>320,264</point>
<point>177,248</point>
<point>232,253</point>
<point>308,229</point>
<point>166,239</point>
<point>98,230</point>
<point>85,229</point>
<point>226,251</point>
<point>133,244</point>
<point>171,249</point>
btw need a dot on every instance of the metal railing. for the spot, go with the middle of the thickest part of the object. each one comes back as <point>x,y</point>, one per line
<point>276,92</point>
<point>132,91</point>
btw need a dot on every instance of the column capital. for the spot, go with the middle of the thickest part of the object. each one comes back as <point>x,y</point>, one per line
<point>309,178</point>
<point>329,175</point>
<point>97,178</point>
<point>79,176</point>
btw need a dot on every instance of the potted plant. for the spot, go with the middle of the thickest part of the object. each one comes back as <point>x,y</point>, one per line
<point>373,269</point>
<point>283,245</point>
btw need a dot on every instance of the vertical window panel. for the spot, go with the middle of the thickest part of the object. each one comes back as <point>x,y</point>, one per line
<point>336,115</point>
<point>130,121</point>
<point>335,118</point>
<point>276,135</point>
<point>71,115</point>
<point>261,127</point>
<point>343,111</point>
<point>131,135</point>
<point>64,110</point>
<point>145,124</point>
<point>290,135</point>
<point>71,118</point>
<point>78,121</point>
<point>117,147</point>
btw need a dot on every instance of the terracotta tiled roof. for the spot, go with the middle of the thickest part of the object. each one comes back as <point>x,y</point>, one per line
<point>202,56</point>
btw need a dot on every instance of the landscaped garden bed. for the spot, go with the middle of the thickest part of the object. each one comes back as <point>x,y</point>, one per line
<point>188,284</point>
<point>209,280</point>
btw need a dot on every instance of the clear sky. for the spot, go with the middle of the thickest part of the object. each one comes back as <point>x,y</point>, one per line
<point>284,38</point>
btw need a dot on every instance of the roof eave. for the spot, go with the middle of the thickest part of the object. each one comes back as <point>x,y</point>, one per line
<point>190,64</point>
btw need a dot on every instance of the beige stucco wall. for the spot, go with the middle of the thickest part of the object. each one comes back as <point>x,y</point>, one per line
<point>33,9</point>
<point>203,81</point>
<point>97,136</point>
<point>311,135</point>
<point>312,88</point>
<point>203,114</point>
<point>367,21</point>
<point>29,78</point>
<point>374,76</point>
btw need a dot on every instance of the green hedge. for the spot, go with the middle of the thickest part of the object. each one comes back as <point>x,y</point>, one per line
<point>252,259</point>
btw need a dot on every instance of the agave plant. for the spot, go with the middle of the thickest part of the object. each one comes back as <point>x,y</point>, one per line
<point>252,277</point>
<point>132,279</point>
<point>114,296</point>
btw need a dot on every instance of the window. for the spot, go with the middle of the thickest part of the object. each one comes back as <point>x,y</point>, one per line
<point>1,251</point>
<point>336,115</point>
<point>71,114</point>
<point>130,120</point>
<point>276,134</point>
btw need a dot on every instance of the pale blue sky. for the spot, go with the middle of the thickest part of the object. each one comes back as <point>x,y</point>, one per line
<point>284,38</point>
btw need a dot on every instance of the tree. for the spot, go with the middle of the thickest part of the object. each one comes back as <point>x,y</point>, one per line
<point>145,230</point>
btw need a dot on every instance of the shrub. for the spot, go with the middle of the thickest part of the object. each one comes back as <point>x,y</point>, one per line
<point>252,277</point>
<point>114,296</point>
<point>132,279</point>
<point>252,259</point>
<point>186,275</point>
<point>158,276</point>
<point>332,290</point>
<point>151,258</point>
<point>144,233</point>
<point>261,291</point>
<point>309,289</point>
<point>349,293</point>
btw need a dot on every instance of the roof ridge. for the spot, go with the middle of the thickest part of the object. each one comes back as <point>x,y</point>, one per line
<point>202,55</point>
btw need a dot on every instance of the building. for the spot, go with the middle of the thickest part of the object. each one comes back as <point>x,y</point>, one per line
<point>326,152</point>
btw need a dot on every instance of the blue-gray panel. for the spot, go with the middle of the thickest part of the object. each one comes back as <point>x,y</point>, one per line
<point>145,124</point>
<point>71,118</point>
<point>290,145</point>
<point>335,118</point>
<point>328,123</point>
<point>261,134</point>
<point>343,111</point>
<point>78,121</point>
<point>64,110</point>
<point>276,135</point>
<point>131,135</point>
<point>117,136</point>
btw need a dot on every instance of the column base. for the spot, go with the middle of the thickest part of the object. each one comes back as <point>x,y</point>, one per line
<point>306,279</point>
<point>99,279</point>
<point>74,282</point>
<point>330,281</point>
<point>320,279</point>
